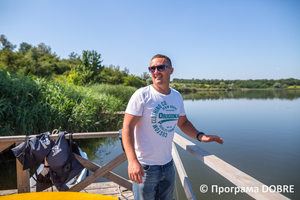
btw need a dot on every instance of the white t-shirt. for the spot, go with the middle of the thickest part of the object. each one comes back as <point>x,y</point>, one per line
<point>154,131</point>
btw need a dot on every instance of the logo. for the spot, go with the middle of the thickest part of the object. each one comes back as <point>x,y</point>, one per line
<point>45,141</point>
<point>56,150</point>
<point>164,119</point>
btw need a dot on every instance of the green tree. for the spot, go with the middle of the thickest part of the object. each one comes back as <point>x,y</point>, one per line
<point>33,54</point>
<point>277,85</point>
<point>89,69</point>
<point>134,81</point>
<point>145,76</point>
<point>113,75</point>
<point>7,59</point>
<point>6,44</point>
<point>73,55</point>
<point>149,81</point>
<point>24,47</point>
<point>43,49</point>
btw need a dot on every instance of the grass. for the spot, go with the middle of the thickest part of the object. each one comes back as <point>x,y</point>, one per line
<point>30,105</point>
<point>293,87</point>
<point>119,91</point>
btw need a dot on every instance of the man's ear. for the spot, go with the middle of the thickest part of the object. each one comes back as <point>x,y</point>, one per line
<point>172,69</point>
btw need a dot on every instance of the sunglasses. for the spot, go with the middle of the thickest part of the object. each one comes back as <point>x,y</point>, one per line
<point>159,68</point>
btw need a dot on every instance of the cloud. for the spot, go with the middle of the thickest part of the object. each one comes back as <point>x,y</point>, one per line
<point>277,68</point>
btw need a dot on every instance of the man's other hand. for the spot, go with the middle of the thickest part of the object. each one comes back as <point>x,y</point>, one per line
<point>136,172</point>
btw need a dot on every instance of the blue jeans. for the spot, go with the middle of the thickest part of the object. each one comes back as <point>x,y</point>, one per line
<point>158,183</point>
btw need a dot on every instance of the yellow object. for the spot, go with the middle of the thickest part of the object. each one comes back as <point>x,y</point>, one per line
<point>56,196</point>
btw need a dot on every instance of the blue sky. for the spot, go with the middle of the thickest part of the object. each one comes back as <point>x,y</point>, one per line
<point>211,39</point>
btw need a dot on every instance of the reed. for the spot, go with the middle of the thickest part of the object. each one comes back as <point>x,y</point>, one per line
<point>121,92</point>
<point>30,105</point>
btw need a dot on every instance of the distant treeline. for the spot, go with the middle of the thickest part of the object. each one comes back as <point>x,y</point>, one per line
<point>85,69</point>
<point>258,83</point>
<point>244,94</point>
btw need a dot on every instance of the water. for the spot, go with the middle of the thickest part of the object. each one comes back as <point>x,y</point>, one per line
<point>261,132</point>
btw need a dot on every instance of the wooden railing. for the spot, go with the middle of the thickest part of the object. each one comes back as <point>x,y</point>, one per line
<point>234,175</point>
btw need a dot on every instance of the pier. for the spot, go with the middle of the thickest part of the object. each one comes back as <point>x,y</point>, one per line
<point>119,186</point>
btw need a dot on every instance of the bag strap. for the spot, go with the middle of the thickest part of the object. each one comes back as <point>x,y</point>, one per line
<point>26,143</point>
<point>69,160</point>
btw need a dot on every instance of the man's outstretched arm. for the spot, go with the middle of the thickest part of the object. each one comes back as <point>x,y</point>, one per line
<point>188,128</point>
<point>135,170</point>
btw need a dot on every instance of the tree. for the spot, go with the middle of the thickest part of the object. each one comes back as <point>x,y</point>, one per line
<point>134,81</point>
<point>24,47</point>
<point>89,69</point>
<point>145,76</point>
<point>7,59</point>
<point>112,75</point>
<point>149,81</point>
<point>6,44</point>
<point>33,54</point>
<point>43,49</point>
<point>277,85</point>
<point>73,56</point>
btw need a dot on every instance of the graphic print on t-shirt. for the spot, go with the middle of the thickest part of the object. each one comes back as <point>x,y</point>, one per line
<point>164,118</point>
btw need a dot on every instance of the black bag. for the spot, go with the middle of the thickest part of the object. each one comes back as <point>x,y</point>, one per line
<point>63,164</point>
<point>33,150</point>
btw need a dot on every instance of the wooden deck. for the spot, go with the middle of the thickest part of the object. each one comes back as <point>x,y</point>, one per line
<point>234,175</point>
<point>104,188</point>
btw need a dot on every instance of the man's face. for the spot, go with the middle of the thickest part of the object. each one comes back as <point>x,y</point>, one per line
<point>161,78</point>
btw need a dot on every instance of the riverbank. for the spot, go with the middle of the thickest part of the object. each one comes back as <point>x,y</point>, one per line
<point>195,90</point>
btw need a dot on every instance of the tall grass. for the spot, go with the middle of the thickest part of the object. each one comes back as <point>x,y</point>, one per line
<point>30,105</point>
<point>119,91</point>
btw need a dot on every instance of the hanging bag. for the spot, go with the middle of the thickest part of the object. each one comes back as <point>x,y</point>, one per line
<point>63,164</point>
<point>33,150</point>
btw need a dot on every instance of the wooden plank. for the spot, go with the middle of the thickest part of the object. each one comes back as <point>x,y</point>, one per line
<point>4,145</point>
<point>103,188</point>
<point>110,175</point>
<point>109,188</point>
<point>20,138</point>
<point>234,175</point>
<point>182,174</point>
<point>99,173</point>
<point>22,178</point>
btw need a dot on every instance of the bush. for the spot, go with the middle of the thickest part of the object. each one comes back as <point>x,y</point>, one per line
<point>134,81</point>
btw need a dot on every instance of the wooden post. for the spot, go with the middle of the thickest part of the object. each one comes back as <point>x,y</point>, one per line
<point>99,173</point>
<point>182,175</point>
<point>22,178</point>
<point>110,175</point>
<point>4,145</point>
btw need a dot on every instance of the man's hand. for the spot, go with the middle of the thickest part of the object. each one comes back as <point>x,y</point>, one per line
<point>210,138</point>
<point>135,172</point>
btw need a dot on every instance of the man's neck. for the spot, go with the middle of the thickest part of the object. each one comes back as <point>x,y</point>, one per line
<point>162,89</point>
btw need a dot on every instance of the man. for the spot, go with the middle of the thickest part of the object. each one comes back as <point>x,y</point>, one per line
<point>148,129</point>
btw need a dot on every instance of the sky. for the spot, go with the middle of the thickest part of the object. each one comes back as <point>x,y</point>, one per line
<point>205,39</point>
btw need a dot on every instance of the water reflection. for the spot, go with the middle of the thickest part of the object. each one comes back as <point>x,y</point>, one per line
<point>245,94</point>
<point>97,149</point>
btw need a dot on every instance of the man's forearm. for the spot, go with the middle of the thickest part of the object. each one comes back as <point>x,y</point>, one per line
<point>128,143</point>
<point>188,128</point>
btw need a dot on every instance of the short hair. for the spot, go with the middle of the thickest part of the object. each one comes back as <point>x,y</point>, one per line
<point>162,56</point>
